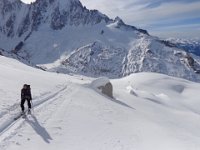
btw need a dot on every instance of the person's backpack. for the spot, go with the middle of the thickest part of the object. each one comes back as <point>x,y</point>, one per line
<point>28,87</point>
<point>29,92</point>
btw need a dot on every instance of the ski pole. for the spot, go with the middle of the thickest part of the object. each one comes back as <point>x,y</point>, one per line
<point>32,106</point>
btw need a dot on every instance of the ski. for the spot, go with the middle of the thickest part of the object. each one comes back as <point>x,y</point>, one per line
<point>29,112</point>
<point>20,116</point>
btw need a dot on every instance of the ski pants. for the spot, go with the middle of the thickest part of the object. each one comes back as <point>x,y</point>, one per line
<point>28,102</point>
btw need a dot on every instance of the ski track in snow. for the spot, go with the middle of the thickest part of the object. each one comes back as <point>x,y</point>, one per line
<point>9,127</point>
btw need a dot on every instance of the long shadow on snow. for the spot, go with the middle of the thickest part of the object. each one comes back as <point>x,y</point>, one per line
<point>155,101</point>
<point>117,101</point>
<point>121,103</point>
<point>111,99</point>
<point>40,130</point>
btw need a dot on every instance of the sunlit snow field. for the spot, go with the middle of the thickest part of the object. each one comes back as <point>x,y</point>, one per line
<point>149,111</point>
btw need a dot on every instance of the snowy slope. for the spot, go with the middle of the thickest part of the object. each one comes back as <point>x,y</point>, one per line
<point>150,111</point>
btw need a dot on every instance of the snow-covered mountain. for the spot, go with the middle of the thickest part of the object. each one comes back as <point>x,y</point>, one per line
<point>191,45</point>
<point>144,55</point>
<point>64,36</point>
<point>20,20</point>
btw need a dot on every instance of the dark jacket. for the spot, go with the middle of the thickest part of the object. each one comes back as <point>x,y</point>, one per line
<point>26,94</point>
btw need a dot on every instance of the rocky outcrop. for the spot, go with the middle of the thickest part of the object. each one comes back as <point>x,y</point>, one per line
<point>59,13</point>
<point>107,89</point>
<point>104,86</point>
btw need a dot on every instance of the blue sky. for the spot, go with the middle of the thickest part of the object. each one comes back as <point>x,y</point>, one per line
<point>164,18</point>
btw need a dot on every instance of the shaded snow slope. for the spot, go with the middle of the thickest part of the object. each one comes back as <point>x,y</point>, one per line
<point>149,111</point>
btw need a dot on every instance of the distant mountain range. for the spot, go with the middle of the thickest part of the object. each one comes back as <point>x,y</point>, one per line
<point>191,45</point>
<point>63,36</point>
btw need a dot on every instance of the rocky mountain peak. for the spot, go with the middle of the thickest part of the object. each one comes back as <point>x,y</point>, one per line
<point>57,13</point>
<point>58,3</point>
<point>119,20</point>
<point>9,5</point>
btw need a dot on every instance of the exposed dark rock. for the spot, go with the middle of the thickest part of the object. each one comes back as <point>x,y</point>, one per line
<point>18,47</point>
<point>10,25</point>
<point>190,60</point>
<point>168,43</point>
<point>58,20</point>
<point>24,25</point>
<point>107,89</point>
<point>143,31</point>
